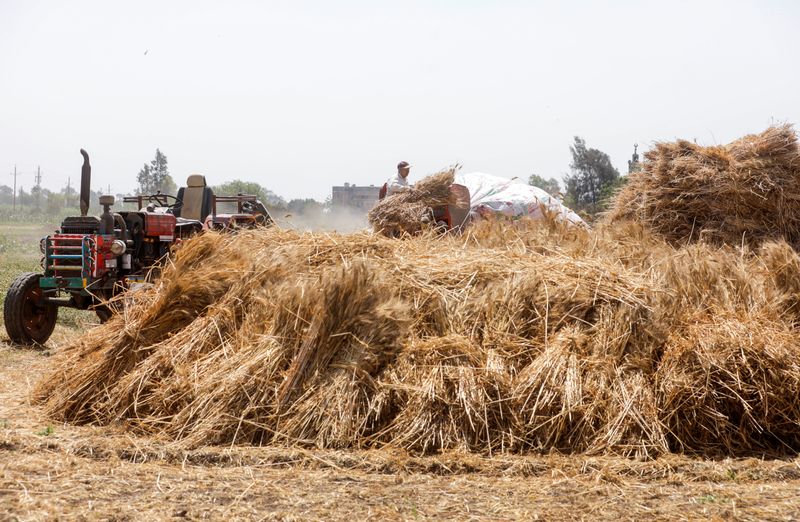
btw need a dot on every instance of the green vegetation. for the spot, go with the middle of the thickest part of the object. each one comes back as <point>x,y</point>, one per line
<point>29,215</point>
<point>155,177</point>
<point>593,180</point>
<point>46,432</point>
<point>237,186</point>
<point>306,206</point>
<point>549,185</point>
<point>19,253</point>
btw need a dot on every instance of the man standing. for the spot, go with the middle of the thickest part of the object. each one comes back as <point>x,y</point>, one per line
<point>399,182</point>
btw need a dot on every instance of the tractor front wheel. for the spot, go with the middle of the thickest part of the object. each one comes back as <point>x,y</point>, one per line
<point>104,313</point>
<point>28,320</point>
<point>441,227</point>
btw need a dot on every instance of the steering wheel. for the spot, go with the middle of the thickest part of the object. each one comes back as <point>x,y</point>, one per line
<point>163,200</point>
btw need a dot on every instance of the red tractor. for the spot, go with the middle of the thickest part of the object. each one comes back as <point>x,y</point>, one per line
<point>454,215</point>
<point>91,259</point>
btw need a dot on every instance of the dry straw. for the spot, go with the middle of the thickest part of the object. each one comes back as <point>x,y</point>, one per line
<point>403,212</point>
<point>510,338</point>
<point>743,192</point>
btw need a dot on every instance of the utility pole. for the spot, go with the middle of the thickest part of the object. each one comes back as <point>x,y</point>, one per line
<point>38,186</point>
<point>66,195</point>
<point>14,195</point>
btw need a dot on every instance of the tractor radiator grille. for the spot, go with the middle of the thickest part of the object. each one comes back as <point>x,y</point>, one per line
<point>68,255</point>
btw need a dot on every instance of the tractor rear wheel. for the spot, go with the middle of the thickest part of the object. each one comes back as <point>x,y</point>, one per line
<point>27,320</point>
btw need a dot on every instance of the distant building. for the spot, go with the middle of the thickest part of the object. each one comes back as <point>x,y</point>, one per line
<point>354,197</point>
<point>633,163</point>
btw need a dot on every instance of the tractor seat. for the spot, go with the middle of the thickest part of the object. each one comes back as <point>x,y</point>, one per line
<point>195,199</point>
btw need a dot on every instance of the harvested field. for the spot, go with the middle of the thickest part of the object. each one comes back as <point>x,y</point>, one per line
<point>745,192</point>
<point>55,471</point>
<point>522,338</point>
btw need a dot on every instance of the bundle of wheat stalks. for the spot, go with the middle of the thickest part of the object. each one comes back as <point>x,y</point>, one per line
<point>403,212</point>
<point>510,338</point>
<point>743,192</point>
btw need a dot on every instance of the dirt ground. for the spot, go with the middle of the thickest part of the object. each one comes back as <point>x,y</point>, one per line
<point>52,471</point>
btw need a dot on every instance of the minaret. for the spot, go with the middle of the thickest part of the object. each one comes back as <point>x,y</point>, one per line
<point>633,163</point>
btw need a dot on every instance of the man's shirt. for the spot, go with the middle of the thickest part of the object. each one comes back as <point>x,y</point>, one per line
<point>397,183</point>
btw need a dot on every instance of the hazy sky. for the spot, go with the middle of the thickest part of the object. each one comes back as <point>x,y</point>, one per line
<point>299,96</point>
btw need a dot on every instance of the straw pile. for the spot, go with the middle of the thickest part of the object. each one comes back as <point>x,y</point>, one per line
<point>745,192</point>
<point>510,338</point>
<point>403,212</point>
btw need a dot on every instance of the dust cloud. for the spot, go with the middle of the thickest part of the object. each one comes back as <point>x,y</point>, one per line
<point>342,219</point>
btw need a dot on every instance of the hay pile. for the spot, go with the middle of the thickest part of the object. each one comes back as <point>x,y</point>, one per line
<point>510,338</point>
<point>403,212</point>
<point>745,192</point>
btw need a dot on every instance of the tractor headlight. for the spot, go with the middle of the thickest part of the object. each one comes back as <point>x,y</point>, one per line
<point>118,247</point>
<point>43,244</point>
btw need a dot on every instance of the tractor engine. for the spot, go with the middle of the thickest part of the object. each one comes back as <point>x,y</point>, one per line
<point>97,257</point>
<point>150,236</point>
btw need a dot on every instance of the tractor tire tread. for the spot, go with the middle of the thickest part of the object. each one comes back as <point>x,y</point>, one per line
<point>12,310</point>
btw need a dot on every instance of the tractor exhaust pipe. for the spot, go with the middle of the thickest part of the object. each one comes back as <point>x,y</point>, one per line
<point>86,179</point>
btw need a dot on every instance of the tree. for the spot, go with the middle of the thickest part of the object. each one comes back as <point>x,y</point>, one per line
<point>160,174</point>
<point>70,196</point>
<point>155,177</point>
<point>6,195</point>
<point>549,185</point>
<point>592,180</point>
<point>23,198</point>
<point>304,206</point>
<point>610,190</point>
<point>36,194</point>
<point>144,180</point>
<point>237,186</point>
<point>55,202</point>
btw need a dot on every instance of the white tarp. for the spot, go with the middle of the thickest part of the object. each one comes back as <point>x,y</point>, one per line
<point>512,198</point>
